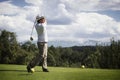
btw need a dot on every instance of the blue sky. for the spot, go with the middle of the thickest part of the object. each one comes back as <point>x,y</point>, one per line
<point>68,20</point>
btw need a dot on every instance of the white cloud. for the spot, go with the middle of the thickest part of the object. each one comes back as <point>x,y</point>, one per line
<point>8,8</point>
<point>61,16</point>
<point>86,26</point>
<point>81,5</point>
<point>17,19</point>
<point>35,2</point>
<point>17,24</point>
<point>65,22</point>
<point>91,5</point>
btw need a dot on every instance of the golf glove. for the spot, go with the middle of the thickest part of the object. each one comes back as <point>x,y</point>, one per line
<point>31,38</point>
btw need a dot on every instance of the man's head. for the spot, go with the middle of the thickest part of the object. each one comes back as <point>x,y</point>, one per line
<point>41,19</point>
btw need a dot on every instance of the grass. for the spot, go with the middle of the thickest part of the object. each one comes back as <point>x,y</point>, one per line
<point>18,72</point>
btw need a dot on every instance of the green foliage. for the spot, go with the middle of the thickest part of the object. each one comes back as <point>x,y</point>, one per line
<point>51,60</point>
<point>8,47</point>
<point>99,56</point>
<point>110,55</point>
<point>11,52</point>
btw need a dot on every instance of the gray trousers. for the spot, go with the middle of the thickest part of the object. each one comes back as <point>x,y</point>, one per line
<point>41,57</point>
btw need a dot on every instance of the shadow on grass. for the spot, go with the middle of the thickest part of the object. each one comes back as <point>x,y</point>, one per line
<point>16,70</point>
<point>12,70</point>
<point>20,72</point>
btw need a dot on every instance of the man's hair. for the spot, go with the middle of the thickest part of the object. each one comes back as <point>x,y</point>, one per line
<point>40,18</point>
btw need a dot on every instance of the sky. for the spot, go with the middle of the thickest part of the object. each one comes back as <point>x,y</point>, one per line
<point>68,20</point>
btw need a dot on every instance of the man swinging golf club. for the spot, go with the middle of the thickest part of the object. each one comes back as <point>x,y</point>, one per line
<point>40,26</point>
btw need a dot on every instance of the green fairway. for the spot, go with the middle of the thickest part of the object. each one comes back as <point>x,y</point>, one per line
<point>18,72</point>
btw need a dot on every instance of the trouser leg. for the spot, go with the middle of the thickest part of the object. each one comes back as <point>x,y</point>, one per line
<point>41,57</point>
<point>44,62</point>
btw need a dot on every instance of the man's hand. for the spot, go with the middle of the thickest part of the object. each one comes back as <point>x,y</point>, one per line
<point>31,38</point>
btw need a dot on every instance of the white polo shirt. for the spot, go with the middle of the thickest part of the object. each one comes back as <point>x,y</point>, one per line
<point>42,32</point>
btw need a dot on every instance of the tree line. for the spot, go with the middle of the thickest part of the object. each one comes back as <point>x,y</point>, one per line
<point>99,56</point>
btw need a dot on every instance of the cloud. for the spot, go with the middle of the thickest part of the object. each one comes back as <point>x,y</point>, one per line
<point>67,19</point>
<point>17,24</point>
<point>35,2</point>
<point>87,26</point>
<point>91,5</point>
<point>62,16</point>
<point>8,8</point>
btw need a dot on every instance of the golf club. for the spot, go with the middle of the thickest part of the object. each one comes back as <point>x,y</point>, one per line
<point>31,38</point>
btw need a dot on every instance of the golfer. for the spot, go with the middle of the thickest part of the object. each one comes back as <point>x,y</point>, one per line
<point>42,45</point>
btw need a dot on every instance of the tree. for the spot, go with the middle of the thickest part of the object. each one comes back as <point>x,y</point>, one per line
<point>65,57</point>
<point>8,45</point>
<point>28,46</point>
<point>51,60</point>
